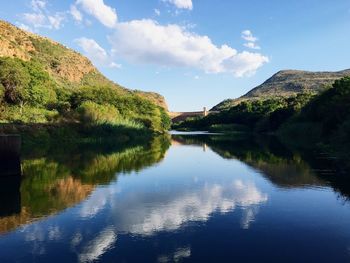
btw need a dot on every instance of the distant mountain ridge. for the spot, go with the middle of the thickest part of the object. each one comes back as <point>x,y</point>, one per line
<point>287,83</point>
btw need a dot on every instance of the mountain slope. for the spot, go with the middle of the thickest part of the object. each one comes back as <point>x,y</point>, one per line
<point>66,66</point>
<point>288,83</point>
<point>42,81</point>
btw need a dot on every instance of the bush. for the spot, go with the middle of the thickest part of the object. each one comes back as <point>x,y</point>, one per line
<point>93,113</point>
<point>28,114</point>
<point>26,88</point>
<point>257,115</point>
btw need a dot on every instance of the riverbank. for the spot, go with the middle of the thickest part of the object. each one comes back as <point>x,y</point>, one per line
<point>74,132</point>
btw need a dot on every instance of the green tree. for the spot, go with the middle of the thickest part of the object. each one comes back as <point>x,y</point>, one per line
<point>15,79</point>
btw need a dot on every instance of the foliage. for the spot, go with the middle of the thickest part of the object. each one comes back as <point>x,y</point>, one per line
<point>45,82</point>
<point>329,112</point>
<point>30,95</point>
<point>255,115</point>
<point>287,83</point>
<point>52,181</point>
<point>91,112</point>
<point>14,78</point>
<point>59,176</point>
<point>305,118</point>
<point>331,108</point>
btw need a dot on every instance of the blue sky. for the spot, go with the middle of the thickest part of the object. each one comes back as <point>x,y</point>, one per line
<point>194,52</point>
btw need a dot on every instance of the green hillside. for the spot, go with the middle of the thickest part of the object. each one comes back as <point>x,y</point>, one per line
<point>305,119</point>
<point>287,83</point>
<point>44,82</point>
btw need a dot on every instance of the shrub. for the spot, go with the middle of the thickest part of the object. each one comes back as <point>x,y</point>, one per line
<point>27,86</point>
<point>93,113</point>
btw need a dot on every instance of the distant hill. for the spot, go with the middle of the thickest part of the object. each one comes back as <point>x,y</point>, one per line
<point>66,66</point>
<point>288,83</point>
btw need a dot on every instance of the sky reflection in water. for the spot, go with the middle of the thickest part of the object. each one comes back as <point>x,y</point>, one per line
<point>192,206</point>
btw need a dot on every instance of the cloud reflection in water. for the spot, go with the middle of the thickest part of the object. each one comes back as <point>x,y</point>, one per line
<point>149,212</point>
<point>95,248</point>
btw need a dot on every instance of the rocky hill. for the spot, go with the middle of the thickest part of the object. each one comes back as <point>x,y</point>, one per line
<point>287,83</point>
<point>66,66</point>
<point>45,85</point>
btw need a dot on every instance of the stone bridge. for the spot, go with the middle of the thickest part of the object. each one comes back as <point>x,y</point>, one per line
<point>181,116</point>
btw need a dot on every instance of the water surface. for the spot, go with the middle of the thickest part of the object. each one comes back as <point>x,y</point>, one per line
<point>202,199</point>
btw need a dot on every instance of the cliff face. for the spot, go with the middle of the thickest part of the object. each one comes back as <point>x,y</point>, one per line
<point>287,83</point>
<point>66,66</point>
<point>62,63</point>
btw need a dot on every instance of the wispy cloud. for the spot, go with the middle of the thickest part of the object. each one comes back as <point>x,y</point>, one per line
<point>181,4</point>
<point>76,14</point>
<point>96,53</point>
<point>41,17</point>
<point>252,45</point>
<point>251,40</point>
<point>248,35</point>
<point>157,12</point>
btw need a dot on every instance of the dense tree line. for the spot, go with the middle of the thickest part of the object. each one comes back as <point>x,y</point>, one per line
<point>324,116</point>
<point>29,95</point>
<point>252,115</point>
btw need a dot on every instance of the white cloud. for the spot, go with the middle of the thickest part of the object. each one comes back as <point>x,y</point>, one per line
<point>251,40</point>
<point>246,63</point>
<point>252,45</point>
<point>181,4</point>
<point>102,12</point>
<point>248,35</point>
<point>38,4</point>
<point>37,20</point>
<point>96,53</point>
<point>56,20</point>
<point>145,41</point>
<point>76,14</point>
<point>40,17</point>
<point>157,12</point>
<point>114,65</point>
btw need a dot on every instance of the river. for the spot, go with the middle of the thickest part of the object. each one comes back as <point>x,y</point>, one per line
<point>198,198</point>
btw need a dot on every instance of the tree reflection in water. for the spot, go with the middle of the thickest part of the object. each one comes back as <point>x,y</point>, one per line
<point>63,176</point>
<point>285,165</point>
